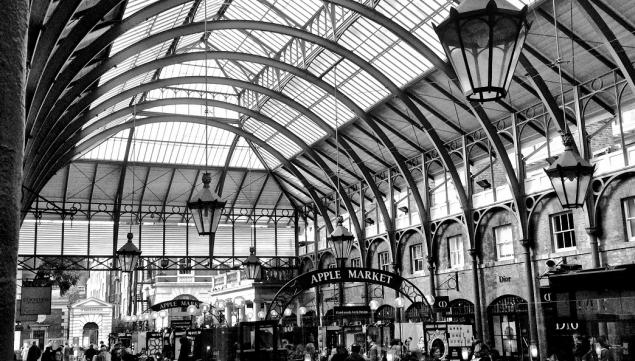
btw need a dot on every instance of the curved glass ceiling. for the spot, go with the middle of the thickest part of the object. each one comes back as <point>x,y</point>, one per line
<point>245,80</point>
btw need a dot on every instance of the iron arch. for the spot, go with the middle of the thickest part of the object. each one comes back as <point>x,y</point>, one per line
<point>306,281</point>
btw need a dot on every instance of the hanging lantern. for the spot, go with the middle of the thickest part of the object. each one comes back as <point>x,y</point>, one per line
<point>128,255</point>
<point>253,267</point>
<point>570,175</point>
<point>206,209</point>
<point>341,240</point>
<point>483,40</point>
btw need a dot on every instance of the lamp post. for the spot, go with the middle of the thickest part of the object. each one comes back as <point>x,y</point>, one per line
<point>239,304</point>
<point>191,309</point>
<point>570,175</point>
<point>341,240</point>
<point>253,267</point>
<point>483,40</point>
<point>399,303</point>
<point>163,314</point>
<point>128,255</point>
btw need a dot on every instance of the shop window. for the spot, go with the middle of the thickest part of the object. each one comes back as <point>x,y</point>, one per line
<point>628,205</point>
<point>356,262</point>
<point>416,257</point>
<point>504,242</point>
<point>455,245</point>
<point>384,261</point>
<point>563,232</point>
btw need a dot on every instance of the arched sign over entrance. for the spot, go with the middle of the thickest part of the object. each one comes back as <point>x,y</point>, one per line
<point>311,279</point>
<point>174,304</point>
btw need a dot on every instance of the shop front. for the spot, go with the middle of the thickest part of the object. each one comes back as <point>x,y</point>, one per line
<point>596,303</point>
<point>509,325</point>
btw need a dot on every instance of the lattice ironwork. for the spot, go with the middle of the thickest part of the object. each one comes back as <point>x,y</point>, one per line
<point>273,267</point>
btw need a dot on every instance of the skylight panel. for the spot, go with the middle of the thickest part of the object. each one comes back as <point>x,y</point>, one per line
<point>253,10</point>
<point>112,148</point>
<point>259,129</point>
<point>244,157</point>
<point>325,109</point>
<point>280,113</point>
<point>131,36</point>
<point>170,18</point>
<point>135,5</point>
<point>306,129</point>
<point>209,7</point>
<point>138,59</point>
<point>323,62</point>
<point>284,145</point>
<point>211,87</point>
<point>300,11</point>
<point>240,70</point>
<point>362,89</point>
<point>234,40</point>
<point>272,161</point>
<point>275,41</point>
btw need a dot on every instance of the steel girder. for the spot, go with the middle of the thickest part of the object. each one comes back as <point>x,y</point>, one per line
<point>203,121</point>
<point>45,98</point>
<point>237,56</point>
<point>611,42</point>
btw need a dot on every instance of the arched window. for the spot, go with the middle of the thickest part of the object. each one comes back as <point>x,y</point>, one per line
<point>90,334</point>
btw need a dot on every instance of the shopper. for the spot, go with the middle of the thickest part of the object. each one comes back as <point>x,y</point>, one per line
<point>34,352</point>
<point>355,353</point>
<point>603,348</point>
<point>373,349</point>
<point>90,353</point>
<point>341,354</point>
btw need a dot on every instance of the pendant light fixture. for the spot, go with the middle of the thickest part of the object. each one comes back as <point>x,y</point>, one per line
<point>252,265</point>
<point>570,174</point>
<point>483,40</point>
<point>207,207</point>
<point>128,254</point>
<point>341,239</point>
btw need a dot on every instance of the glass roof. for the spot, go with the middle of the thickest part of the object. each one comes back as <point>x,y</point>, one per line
<point>237,83</point>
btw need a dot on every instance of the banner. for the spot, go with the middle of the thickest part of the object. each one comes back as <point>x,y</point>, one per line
<point>35,300</point>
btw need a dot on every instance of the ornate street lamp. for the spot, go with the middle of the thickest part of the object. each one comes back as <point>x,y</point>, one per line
<point>128,255</point>
<point>570,175</point>
<point>341,240</point>
<point>253,267</point>
<point>483,40</point>
<point>206,209</point>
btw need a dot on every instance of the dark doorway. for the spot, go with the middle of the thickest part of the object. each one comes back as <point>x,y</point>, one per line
<point>90,335</point>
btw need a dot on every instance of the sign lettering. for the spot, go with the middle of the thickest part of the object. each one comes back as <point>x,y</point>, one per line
<point>320,277</point>
<point>36,300</point>
<point>174,304</point>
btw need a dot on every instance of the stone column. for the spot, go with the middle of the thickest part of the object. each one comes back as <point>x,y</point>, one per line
<point>433,288</point>
<point>531,301</point>
<point>478,313</point>
<point>593,242</point>
<point>13,27</point>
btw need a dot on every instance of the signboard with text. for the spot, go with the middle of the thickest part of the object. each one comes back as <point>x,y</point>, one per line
<point>335,275</point>
<point>174,304</point>
<point>35,300</point>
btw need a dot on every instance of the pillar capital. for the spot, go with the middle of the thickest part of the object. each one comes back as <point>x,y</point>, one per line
<point>473,252</point>
<point>591,231</point>
<point>430,260</point>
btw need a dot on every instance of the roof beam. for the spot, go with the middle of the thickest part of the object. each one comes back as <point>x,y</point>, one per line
<point>253,209</point>
<point>238,190</point>
<point>66,157</point>
<point>116,212</point>
<point>143,189</point>
<point>167,191</point>
<point>569,78</point>
<point>46,42</point>
<point>611,42</point>
<point>49,91</point>
<point>545,95</point>
<point>54,65</point>
<point>221,180</point>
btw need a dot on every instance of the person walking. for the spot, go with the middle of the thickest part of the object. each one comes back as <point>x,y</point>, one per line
<point>34,353</point>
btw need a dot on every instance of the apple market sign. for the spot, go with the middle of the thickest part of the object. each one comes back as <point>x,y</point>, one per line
<point>336,275</point>
<point>174,304</point>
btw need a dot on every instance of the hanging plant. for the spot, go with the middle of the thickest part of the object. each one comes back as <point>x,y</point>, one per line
<point>58,271</point>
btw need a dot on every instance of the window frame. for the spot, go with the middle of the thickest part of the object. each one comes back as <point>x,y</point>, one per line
<point>496,243</point>
<point>628,232</point>
<point>184,269</point>
<point>554,233</point>
<point>450,252</point>
<point>414,260</point>
<point>356,262</point>
<point>383,266</point>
